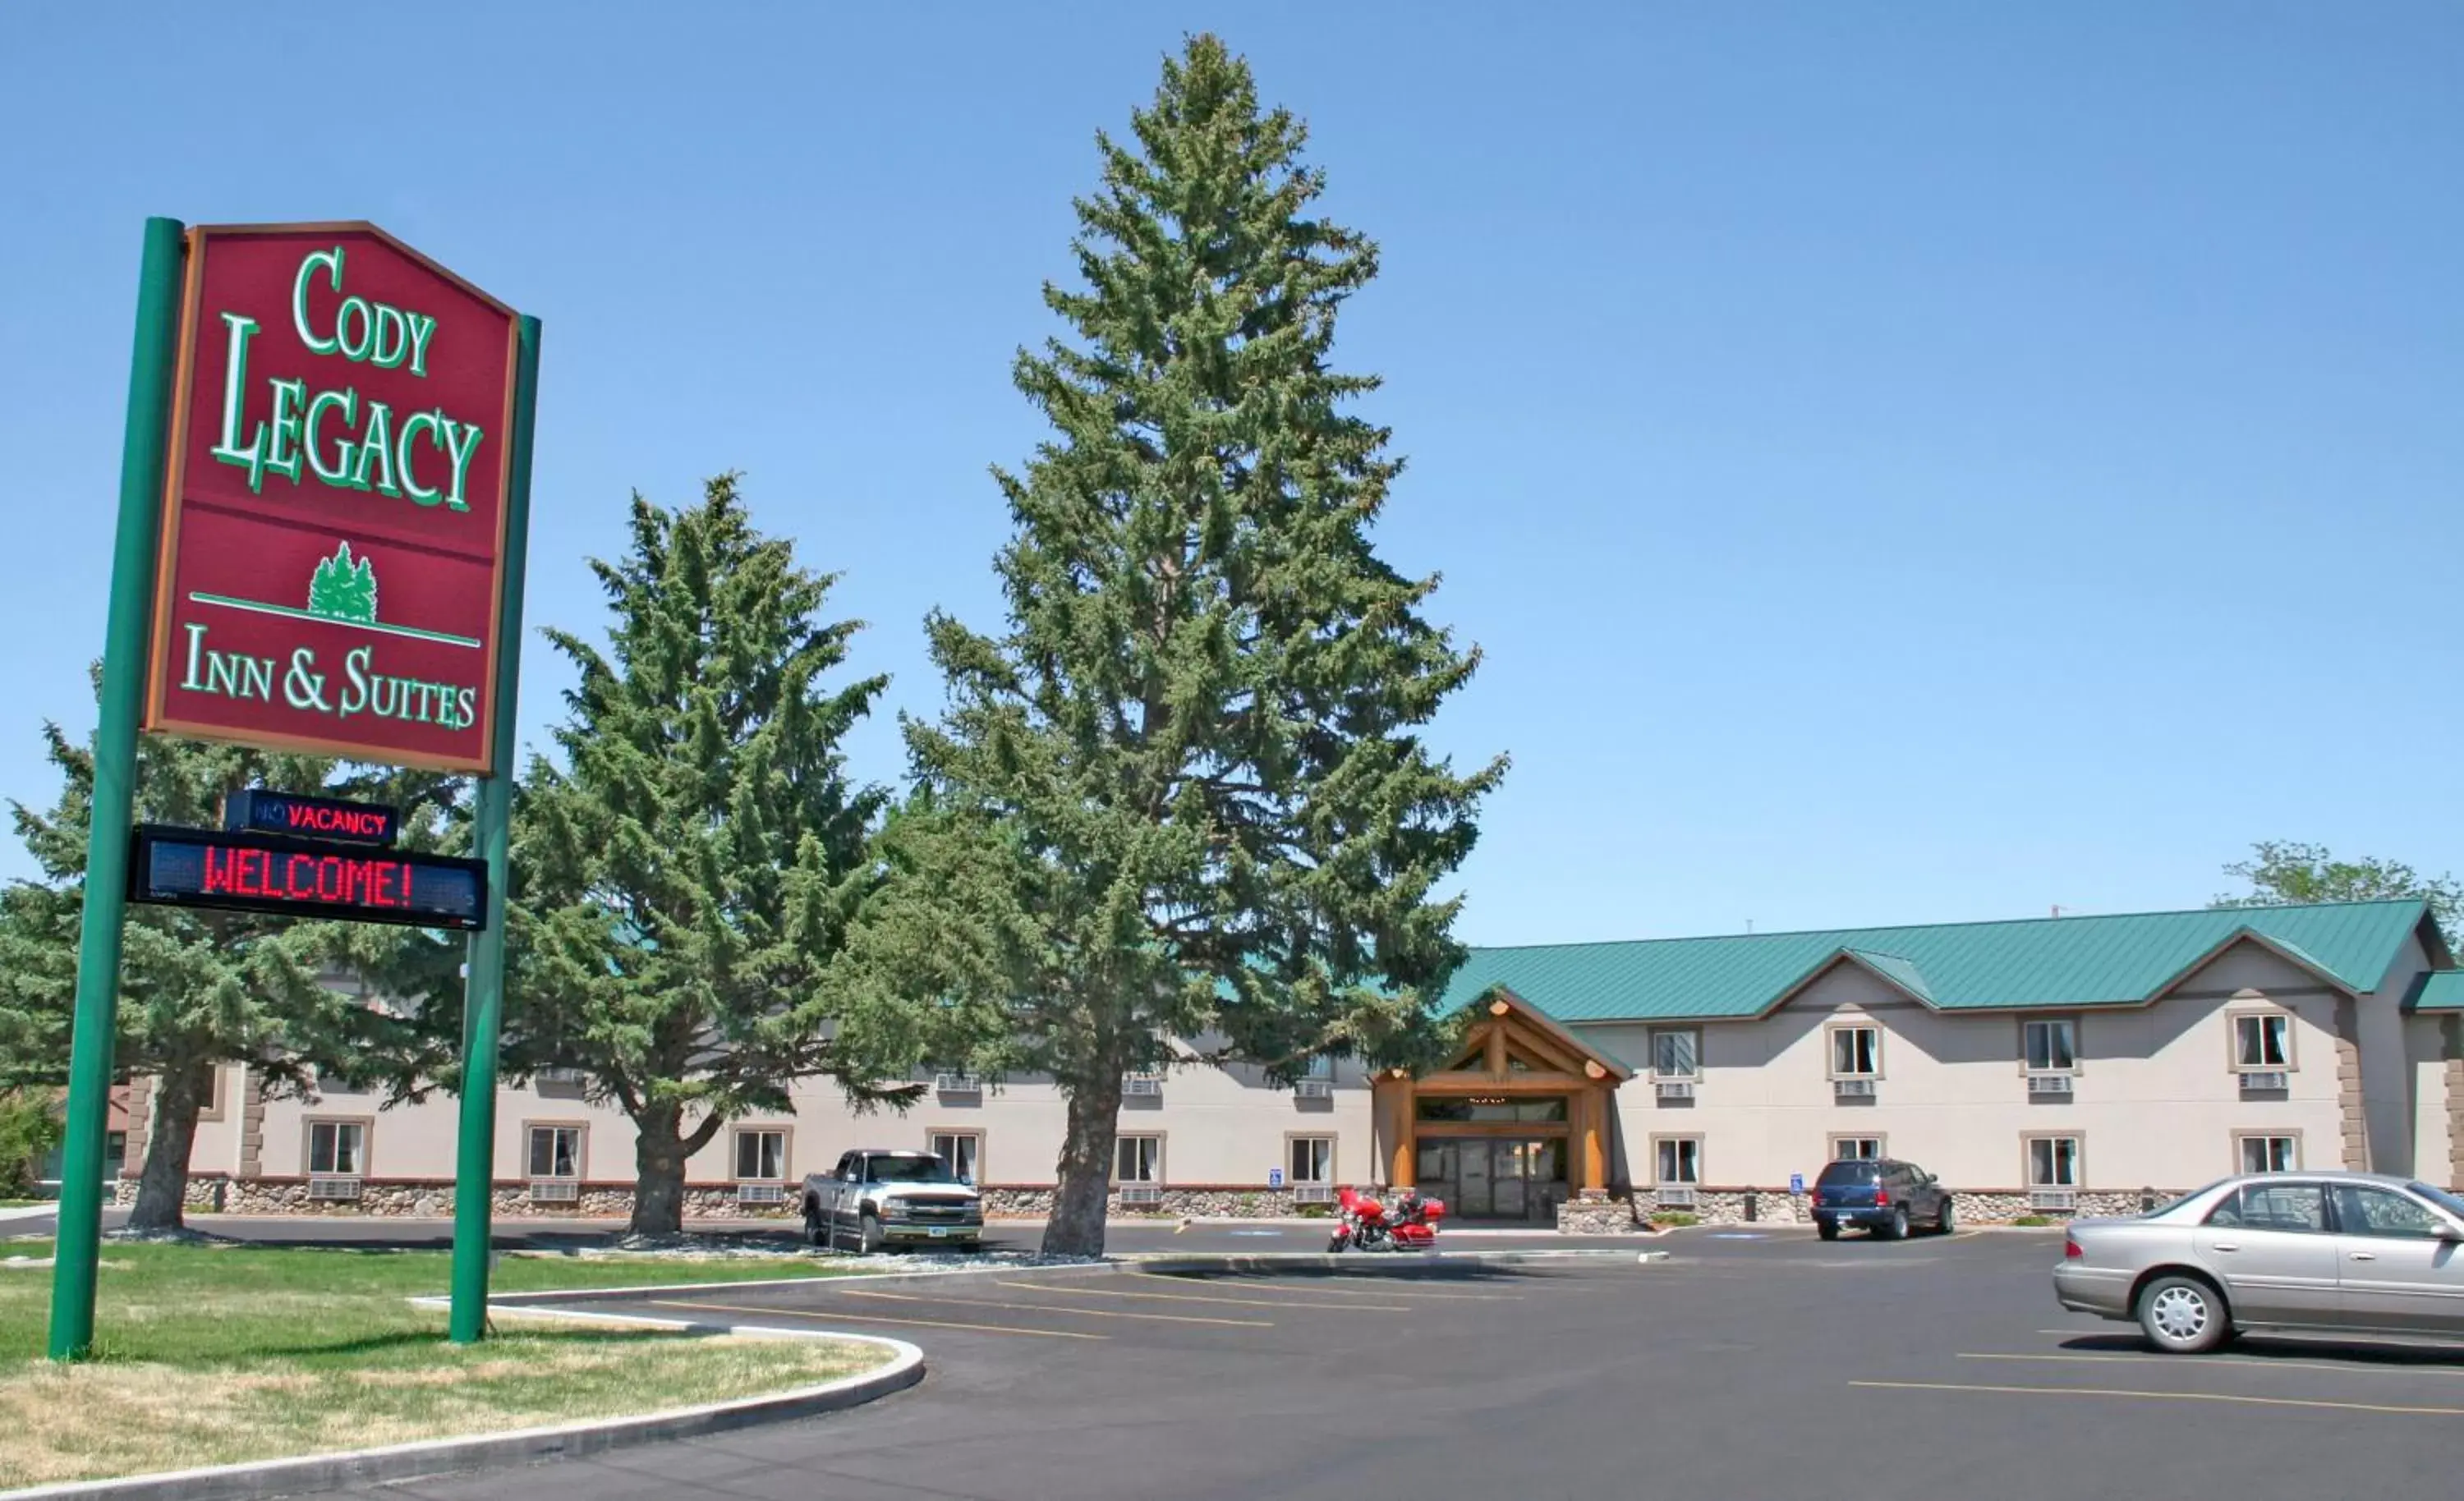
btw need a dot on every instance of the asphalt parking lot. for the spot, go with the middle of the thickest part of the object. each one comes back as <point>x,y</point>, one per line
<point>1746,1367</point>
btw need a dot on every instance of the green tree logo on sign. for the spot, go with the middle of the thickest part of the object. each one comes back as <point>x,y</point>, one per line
<point>344,589</point>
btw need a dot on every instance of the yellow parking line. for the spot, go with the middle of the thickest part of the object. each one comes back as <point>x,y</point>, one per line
<point>1351,1291</point>
<point>877,1318</point>
<point>1194,1298</point>
<point>1072,1312</point>
<point>2204,1361</point>
<point>2156,1396</point>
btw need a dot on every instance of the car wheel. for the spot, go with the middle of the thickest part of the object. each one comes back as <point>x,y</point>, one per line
<point>817,1233</point>
<point>873,1240</point>
<point>2182,1316</point>
<point>1897,1229</point>
<point>1947,1220</point>
<point>1828,1229</point>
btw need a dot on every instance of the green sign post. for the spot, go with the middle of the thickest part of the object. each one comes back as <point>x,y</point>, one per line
<point>144,444</point>
<point>483,993</point>
<point>409,337</point>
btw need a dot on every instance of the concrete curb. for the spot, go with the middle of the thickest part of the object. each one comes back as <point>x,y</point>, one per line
<point>1395,1264</point>
<point>282,1477</point>
<point>1373,1263</point>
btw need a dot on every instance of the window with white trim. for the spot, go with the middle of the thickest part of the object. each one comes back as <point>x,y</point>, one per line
<point>1320,1066</point>
<point>2270,1154</point>
<point>1680,1159</point>
<point>1855,1051</point>
<point>2263,1042</point>
<point>2049,1045</point>
<point>1676,1053</point>
<point>1138,1159</point>
<point>1311,1159</point>
<point>338,1148</point>
<point>962,1152</point>
<point>1855,1148</point>
<point>760,1155</point>
<point>556,1151</point>
<point>2053,1161</point>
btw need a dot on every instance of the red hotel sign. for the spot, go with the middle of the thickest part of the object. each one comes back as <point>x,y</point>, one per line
<point>335,522</point>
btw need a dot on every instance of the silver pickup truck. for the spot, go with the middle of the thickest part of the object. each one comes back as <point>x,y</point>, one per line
<point>875,1198</point>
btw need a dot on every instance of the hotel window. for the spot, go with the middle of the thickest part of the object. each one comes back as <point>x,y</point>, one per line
<point>1676,1055</point>
<point>1312,1159</point>
<point>1681,1158</point>
<point>2262,1042</point>
<point>1855,1051</point>
<point>761,1156</point>
<point>2053,1161</point>
<point>339,1148</point>
<point>1321,1066</point>
<point>1138,1159</point>
<point>2270,1154</point>
<point>962,1152</point>
<point>2049,1046</point>
<point>1855,1148</point>
<point>556,1151</point>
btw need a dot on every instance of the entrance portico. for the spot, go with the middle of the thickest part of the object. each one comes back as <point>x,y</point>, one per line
<point>1515,1124</point>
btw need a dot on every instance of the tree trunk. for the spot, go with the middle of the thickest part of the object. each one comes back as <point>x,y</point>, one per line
<point>659,1172</point>
<point>180,1095</point>
<point>1085,1189</point>
<point>661,1148</point>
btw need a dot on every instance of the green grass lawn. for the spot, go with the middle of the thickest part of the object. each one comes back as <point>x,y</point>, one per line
<point>210,1355</point>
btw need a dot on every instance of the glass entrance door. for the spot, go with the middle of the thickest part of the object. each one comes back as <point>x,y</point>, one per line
<point>1483,1179</point>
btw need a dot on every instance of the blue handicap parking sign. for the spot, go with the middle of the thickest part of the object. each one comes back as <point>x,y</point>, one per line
<point>1274,1177</point>
<point>1796,1183</point>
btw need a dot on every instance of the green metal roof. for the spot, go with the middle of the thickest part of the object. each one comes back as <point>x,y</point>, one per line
<point>2441,990</point>
<point>2070,961</point>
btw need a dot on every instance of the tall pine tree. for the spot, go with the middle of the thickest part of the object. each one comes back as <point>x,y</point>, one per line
<point>201,989</point>
<point>684,880</point>
<point>1185,795</point>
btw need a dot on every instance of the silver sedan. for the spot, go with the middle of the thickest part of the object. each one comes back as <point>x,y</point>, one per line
<point>2342,1252</point>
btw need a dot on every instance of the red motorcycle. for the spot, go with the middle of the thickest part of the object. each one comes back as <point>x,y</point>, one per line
<point>1366,1226</point>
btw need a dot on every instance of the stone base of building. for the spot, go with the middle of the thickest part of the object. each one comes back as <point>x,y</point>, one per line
<point>1612,1213</point>
<point>1621,1212</point>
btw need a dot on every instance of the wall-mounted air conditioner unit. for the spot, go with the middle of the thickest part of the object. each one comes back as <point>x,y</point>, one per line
<point>956,1085</point>
<point>1141,1193</point>
<point>556,1190</point>
<point>1312,1194</point>
<point>2266,1079</point>
<point>561,1076</point>
<point>1313,1089</point>
<point>333,1190</point>
<point>2053,1199</point>
<point>1675,1088</point>
<point>1142,1084</point>
<point>1851,1088</point>
<point>761,1193</point>
<point>1676,1196</point>
<point>2048,1083</point>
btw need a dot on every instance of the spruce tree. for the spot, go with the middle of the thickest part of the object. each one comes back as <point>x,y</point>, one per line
<point>200,988</point>
<point>685,876</point>
<point>1185,795</point>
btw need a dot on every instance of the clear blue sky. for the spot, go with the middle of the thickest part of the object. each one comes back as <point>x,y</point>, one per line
<point>1905,463</point>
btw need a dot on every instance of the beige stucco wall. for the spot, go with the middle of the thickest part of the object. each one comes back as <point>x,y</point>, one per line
<point>1220,1128</point>
<point>2427,1050</point>
<point>2156,1103</point>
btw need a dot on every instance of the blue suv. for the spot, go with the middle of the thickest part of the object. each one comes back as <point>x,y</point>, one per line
<point>1889,1198</point>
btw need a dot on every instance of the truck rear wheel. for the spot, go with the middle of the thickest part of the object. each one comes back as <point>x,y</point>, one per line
<point>873,1240</point>
<point>817,1231</point>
